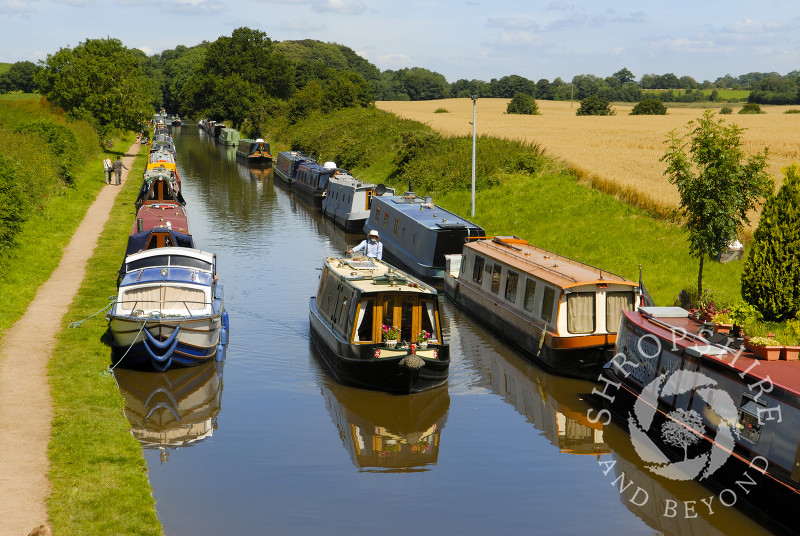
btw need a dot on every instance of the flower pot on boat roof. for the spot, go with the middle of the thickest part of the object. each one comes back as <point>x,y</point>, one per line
<point>764,348</point>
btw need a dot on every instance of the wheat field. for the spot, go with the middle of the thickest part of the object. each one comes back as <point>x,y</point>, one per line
<point>622,150</point>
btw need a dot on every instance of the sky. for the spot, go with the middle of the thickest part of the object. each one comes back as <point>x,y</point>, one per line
<point>461,39</point>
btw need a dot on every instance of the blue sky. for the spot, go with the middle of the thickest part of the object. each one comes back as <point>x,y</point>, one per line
<point>472,39</point>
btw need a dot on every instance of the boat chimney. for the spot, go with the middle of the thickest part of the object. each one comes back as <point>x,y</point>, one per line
<point>139,225</point>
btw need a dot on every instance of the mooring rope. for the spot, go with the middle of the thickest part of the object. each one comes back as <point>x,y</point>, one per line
<point>73,325</point>
<point>110,369</point>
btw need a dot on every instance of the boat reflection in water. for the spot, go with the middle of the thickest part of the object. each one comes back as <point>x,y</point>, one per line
<point>174,408</point>
<point>553,404</point>
<point>385,432</point>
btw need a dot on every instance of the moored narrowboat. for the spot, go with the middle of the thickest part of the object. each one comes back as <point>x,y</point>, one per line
<point>417,234</point>
<point>159,225</point>
<point>229,136</point>
<point>561,313</point>
<point>349,200</point>
<point>159,186</point>
<point>311,181</point>
<point>701,406</point>
<point>286,164</point>
<point>377,327</point>
<point>254,152</point>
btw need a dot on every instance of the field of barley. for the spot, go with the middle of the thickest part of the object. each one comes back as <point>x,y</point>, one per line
<point>622,150</point>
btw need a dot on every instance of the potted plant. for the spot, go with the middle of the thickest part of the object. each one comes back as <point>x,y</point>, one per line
<point>422,339</point>
<point>390,335</point>
<point>723,323</point>
<point>764,347</point>
<point>791,340</point>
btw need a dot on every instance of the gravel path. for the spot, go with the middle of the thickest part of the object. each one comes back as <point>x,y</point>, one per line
<point>25,403</point>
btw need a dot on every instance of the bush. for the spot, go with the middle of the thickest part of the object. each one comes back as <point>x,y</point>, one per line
<point>441,111</point>
<point>595,105</point>
<point>792,111</point>
<point>524,104</point>
<point>13,205</point>
<point>649,107</point>
<point>771,275</point>
<point>726,110</point>
<point>751,108</point>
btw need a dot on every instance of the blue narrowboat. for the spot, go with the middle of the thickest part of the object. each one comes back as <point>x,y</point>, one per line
<point>286,165</point>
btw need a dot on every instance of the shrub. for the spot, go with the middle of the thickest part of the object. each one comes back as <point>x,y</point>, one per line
<point>595,105</point>
<point>13,205</point>
<point>792,111</point>
<point>751,108</point>
<point>771,275</point>
<point>524,104</point>
<point>441,111</point>
<point>726,110</point>
<point>649,107</point>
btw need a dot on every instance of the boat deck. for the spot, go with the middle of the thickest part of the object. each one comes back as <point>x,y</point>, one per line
<point>371,275</point>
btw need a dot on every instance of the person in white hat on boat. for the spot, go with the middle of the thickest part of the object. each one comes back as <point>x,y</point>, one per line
<point>372,246</point>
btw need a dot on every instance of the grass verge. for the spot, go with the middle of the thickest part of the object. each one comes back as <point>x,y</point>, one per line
<point>98,473</point>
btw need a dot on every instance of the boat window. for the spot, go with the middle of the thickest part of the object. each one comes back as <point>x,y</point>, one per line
<point>477,271</point>
<point>386,220</point>
<point>530,294</point>
<point>156,260</point>
<point>396,223</point>
<point>363,328</point>
<point>428,319</point>
<point>407,318</point>
<point>616,302</point>
<point>341,314</point>
<point>498,269</point>
<point>581,312</point>
<point>548,301</point>
<point>182,299</point>
<point>377,214</point>
<point>387,306</point>
<point>511,286</point>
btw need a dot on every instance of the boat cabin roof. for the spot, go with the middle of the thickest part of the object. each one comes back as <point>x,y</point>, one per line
<point>423,210</point>
<point>174,256</point>
<point>371,275</point>
<point>561,271</point>
<point>161,214</point>
<point>161,275</point>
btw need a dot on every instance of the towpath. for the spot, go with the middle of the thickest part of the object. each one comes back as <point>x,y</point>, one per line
<point>25,349</point>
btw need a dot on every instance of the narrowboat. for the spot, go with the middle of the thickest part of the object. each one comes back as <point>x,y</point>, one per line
<point>702,406</point>
<point>386,433</point>
<point>176,121</point>
<point>159,225</point>
<point>216,130</point>
<point>254,152</point>
<point>417,234</point>
<point>164,166</point>
<point>169,310</point>
<point>229,136</point>
<point>349,200</point>
<point>286,164</point>
<point>368,319</point>
<point>561,313</point>
<point>177,408</point>
<point>160,188</point>
<point>311,181</point>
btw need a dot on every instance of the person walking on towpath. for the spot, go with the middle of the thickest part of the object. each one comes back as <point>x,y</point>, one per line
<point>372,246</point>
<point>108,169</point>
<point>118,165</point>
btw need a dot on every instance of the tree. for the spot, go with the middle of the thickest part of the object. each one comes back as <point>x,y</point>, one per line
<point>716,200</point>
<point>20,77</point>
<point>346,90</point>
<point>649,107</point>
<point>683,429</point>
<point>771,276</point>
<point>101,81</point>
<point>594,105</point>
<point>624,76</point>
<point>524,104</point>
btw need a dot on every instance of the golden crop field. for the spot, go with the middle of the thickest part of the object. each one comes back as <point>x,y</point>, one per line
<point>622,149</point>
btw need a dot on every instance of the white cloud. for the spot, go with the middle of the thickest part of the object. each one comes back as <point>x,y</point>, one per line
<point>750,26</point>
<point>16,7</point>
<point>341,7</point>
<point>512,23</point>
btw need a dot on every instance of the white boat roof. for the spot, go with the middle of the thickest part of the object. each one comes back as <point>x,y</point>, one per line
<point>372,275</point>
<point>560,271</point>
<point>174,251</point>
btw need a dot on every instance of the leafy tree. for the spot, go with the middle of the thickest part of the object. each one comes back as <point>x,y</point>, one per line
<point>305,101</point>
<point>20,77</point>
<point>99,80</point>
<point>683,430</point>
<point>771,276</point>
<point>717,199</point>
<point>624,76</point>
<point>649,107</point>
<point>508,86</point>
<point>346,90</point>
<point>594,105</point>
<point>524,104</point>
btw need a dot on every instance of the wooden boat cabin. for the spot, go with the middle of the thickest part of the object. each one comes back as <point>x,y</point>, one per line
<point>563,314</point>
<point>417,234</point>
<point>254,152</point>
<point>357,301</point>
<point>349,201</point>
<point>286,165</point>
<point>671,370</point>
<point>229,136</point>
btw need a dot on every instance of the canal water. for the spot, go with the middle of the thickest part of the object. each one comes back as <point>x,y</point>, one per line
<point>268,443</point>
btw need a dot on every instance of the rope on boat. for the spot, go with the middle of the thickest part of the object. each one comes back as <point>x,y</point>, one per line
<point>110,369</point>
<point>73,325</point>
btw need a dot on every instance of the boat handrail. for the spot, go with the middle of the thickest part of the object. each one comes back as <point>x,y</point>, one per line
<point>693,336</point>
<point>548,269</point>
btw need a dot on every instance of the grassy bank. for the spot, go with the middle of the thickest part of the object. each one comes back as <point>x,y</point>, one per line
<point>98,473</point>
<point>520,191</point>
